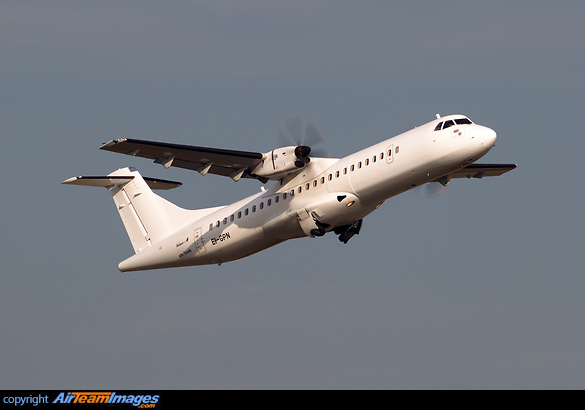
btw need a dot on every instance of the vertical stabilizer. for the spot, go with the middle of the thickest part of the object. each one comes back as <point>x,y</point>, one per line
<point>147,217</point>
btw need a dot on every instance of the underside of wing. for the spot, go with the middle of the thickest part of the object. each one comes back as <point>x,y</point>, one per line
<point>483,170</point>
<point>235,164</point>
<point>477,171</point>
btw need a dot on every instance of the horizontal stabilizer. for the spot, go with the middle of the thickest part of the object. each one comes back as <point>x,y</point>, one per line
<point>147,217</point>
<point>110,181</point>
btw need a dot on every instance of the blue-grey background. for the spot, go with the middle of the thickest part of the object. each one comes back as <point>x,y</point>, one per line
<point>481,287</point>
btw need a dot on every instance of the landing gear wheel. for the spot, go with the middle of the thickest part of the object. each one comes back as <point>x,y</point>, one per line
<point>318,232</point>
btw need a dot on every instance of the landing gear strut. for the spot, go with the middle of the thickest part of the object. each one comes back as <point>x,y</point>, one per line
<point>321,227</point>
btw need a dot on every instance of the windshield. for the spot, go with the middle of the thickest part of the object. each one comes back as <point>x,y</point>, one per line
<point>450,123</point>
<point>463,121</point>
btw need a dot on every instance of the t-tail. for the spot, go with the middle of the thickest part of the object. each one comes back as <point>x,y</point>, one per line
<point>147,217</point>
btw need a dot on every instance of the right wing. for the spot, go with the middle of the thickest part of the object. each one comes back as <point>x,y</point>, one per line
<point>477,171</point>
<point>483,170</point>
<point>235,164</point>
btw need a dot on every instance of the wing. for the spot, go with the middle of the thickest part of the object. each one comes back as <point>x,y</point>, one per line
<point>235,164</point>
<point>477,171</point>
<point>483,170</point>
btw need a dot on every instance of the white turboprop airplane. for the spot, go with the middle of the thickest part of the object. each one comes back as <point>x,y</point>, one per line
<point>310,196</point>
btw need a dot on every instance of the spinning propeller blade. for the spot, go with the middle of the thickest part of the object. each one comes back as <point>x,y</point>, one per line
<point>312,136</point>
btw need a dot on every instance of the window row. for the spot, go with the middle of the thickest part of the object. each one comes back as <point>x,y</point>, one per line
<point>253,209</point>
<point>352,168</point>
<point>290,194</point>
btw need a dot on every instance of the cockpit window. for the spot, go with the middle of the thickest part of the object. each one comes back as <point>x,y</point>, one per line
<point>463,121</point>
<point>448,124</point>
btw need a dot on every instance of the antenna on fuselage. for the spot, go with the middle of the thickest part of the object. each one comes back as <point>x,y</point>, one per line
<point>438,116</point>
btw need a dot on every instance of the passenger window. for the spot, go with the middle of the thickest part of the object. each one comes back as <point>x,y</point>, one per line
<point>284,196</point>
<point>261,205</point>
<point>269,202</point>
<point>232,218</point>
<point>314,183</point>
<point>307,186</point>
<point>210,227</point>
<point>253,208</point>
<point>352,168</point>
<point>344,171</point>
<point>246,212</point>
<point>381,155</point>
<point>397,149</point>
<point>374,158</point>
<point>225,221</point>
<point>240,215</point>
<point>337,174</point>
<point>218,224</point>
<point>322,180</point>
<point>367,162</point>
<point>276,199</point>
<point>300,189</point>
<point>360,165</point>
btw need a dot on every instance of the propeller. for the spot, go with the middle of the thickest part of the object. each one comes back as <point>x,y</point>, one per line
<point>431,189</point>
<point>305,137</point>
<point>434,189</point>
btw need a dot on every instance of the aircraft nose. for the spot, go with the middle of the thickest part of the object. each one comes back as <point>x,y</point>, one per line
<point>487,136</point>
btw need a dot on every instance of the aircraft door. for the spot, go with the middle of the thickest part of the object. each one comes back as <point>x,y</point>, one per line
<point>199,245</point>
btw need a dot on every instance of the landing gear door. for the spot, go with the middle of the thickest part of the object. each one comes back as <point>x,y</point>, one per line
<point>199,245</point>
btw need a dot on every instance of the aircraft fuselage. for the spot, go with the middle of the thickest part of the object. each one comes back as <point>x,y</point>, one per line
<point>326,194</point>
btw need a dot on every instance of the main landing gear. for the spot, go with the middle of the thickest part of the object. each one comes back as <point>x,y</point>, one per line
<point>321,229</point>
<point>314,228</point>
<point>346,232</point>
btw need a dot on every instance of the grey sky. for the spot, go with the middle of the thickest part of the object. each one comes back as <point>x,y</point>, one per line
<point>478,288</point>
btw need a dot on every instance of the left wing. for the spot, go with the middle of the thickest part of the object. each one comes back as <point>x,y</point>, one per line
<point>235,164</point>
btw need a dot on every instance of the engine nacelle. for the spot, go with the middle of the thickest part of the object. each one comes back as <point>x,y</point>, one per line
<point>282,161</point>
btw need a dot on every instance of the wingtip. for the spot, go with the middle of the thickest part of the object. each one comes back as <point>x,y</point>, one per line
<point>111,143</point>
<point>70,180</point>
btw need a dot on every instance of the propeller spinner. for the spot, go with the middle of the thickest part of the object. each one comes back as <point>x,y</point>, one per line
<point>312,135</point>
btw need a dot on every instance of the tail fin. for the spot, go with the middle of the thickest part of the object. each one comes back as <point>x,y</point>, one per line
<point>146,216</point>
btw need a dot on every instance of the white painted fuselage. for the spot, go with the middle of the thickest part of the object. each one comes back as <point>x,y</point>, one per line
<point>326,194</point>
